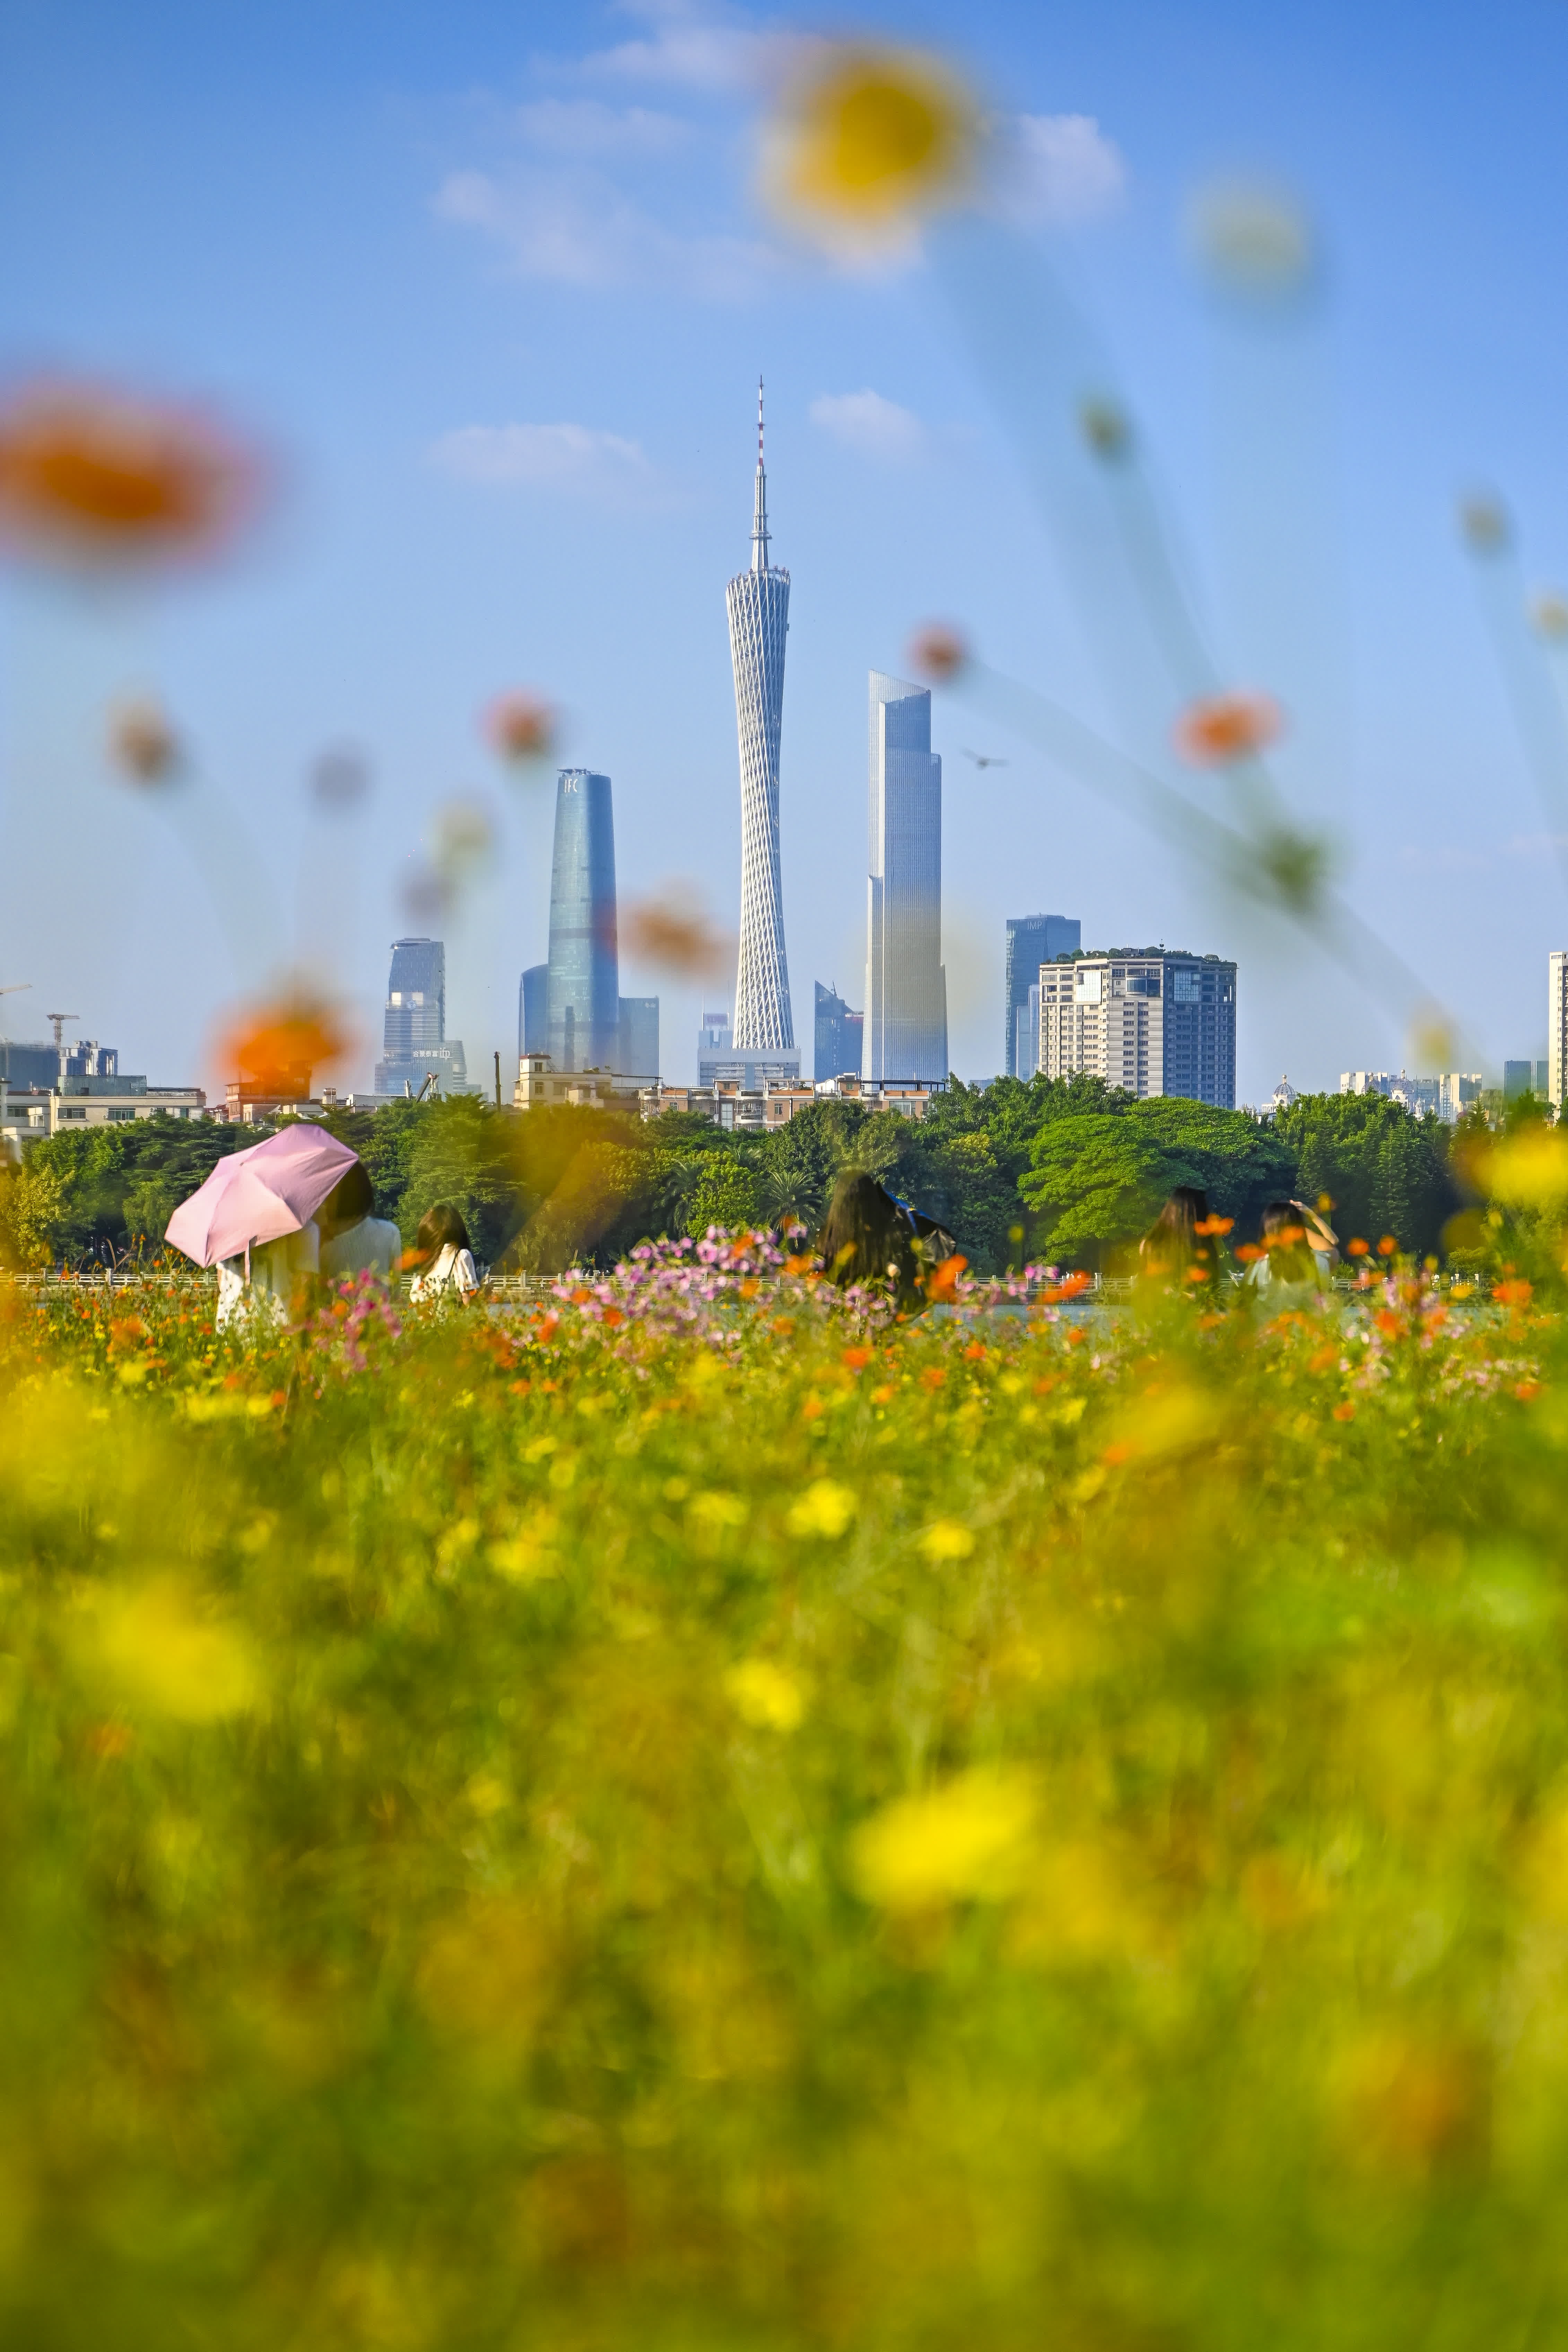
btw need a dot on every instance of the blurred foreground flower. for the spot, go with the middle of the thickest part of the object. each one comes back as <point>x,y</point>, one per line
<point>274,1048</point>
<point>103,477</point>
<point>970,1838</point>
<point>1550,613</point>
<point>938,652</point>
<point>462,837</point>
<point>765,1695</point>
<point>142,742</point>
<point>869,139</point>
<point>1251,239</point>
<point>339,779</point>
<point>673,932</point>
<point>1529,1170</point>
<point>1227,727</point>
<point>1484,521</point>
<point>522,727</point>
<point>160,1654</point>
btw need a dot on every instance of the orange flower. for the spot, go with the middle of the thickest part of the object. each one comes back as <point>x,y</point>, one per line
<point>522,727</point>
<point>1227,727</point>
<point>1072,1285</point>
<point>942,1284</point>
<point>932,1378</point>
<point>857,1358</point>
<point>276,1048</point>
<point>1512,1293</point>
<point>939,653</point>
<point>1211,1226</point>
<point>1527,1391</point>
<point>883,1395</point>
<point>973,1352</point>
<point>1248,1252</point>
<point>1345,1412</point>
<point>674,933</point>
<point>1387,1245</point>
<point>109,478</point>
<point>1356,1249</point>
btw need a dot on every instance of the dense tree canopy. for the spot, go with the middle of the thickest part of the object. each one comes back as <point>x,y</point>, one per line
<point>1058,1169</point>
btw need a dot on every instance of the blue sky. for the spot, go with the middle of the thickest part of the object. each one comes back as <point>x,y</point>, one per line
<point>495,285</point>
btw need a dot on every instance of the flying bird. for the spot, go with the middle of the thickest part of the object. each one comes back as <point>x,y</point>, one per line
<point>983,758</point>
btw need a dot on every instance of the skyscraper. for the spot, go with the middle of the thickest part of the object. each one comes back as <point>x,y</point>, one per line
<point>571,1007</point>
<point>1149,1023</point>
<point>840,1036</point>
<point>415,1044</point>
<point>583,1008</point>
<point>906,985</point>
<point>1032,940</point>
<point>758,603</point>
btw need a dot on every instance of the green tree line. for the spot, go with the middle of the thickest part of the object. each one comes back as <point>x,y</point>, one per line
<point>1060,1170</point>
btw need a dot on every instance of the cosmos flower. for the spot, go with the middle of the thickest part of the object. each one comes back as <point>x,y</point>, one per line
<point>339,779</point>
<point>275,1047</point>
<point>142,742</point>
<point>939,653</point>
<point>1106,427</point>
<point>107,478</point>
<point>867,140</point>
<point>673,933</point>
<point>522,727</point>
<point>1252,239</point>
<point>462,836</point>
<point>1225,727</point>
<point>1550,615</point>
<point>1485,524</point>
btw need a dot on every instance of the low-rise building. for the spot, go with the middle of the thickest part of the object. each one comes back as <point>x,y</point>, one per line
<point>760,1109</point>
<point>541,1085</point>
<point>92,1102</point>
<point>1444,1096</point>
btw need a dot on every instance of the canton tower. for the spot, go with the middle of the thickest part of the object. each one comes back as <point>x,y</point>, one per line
<point>758,602</point>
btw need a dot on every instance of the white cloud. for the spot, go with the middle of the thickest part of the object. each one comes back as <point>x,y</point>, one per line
<point>584,231</point>
<point>576,460</point>
<point>587,127</point>
<point>1067,169</point>
<point>864,422</point>
<point>698,51</point>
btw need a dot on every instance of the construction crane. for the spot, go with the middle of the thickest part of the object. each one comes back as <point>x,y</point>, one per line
<point>59,1020</point>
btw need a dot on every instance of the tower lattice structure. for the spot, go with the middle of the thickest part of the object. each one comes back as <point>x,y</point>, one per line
<point>758,603</point>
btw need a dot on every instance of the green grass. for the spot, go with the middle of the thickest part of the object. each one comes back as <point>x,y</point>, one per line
<point>775,1836</point>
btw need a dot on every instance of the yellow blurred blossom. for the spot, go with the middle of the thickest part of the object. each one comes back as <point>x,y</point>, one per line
<point>948,1539</point>
<point>765,1695</point>
<point>162,1654</point>
<point>1529,1170</point>
<point>870,138</point>
<point>968,1839</point>
<point>824,1509</point>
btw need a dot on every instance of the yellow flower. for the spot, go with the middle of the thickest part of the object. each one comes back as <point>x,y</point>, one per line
<point>948,1539</point>
<point>870,138</point>
<point>824,1509</point>
<point>969,1839</point>
<point>155,1648</point>
<point>765,1695</point>
<point>1529,1171</point>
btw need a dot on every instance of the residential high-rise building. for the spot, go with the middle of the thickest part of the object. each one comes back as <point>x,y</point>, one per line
<point>415,1044</point>
<point>758,603</point>
<point>840,1038</point>
<point>906,985</point>
<point>1032,940</point>
<point>1149,1022</point>
<point>1518,1078</point>
<point>1557,1025</point>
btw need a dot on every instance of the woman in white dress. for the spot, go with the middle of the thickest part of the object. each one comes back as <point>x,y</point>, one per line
<point>448,1273</point>
<point>262,1279</point>
<point>353,1239</point>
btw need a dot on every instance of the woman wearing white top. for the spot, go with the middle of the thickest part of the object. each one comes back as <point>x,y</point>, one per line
<point>353,1241</point>
<point>262,1280</point>
<point>442,1246</point>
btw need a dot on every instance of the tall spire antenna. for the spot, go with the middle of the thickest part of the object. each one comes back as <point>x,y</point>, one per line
<point>760,503</point>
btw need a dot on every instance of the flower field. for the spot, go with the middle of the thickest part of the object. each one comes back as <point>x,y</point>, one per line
<point>683,1817</point>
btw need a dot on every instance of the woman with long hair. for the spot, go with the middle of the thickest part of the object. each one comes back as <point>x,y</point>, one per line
<point>1181,1245</point>
<point>447,1263</point>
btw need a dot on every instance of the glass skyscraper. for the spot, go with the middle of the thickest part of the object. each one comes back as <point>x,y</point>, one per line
<point>415,1044</point>
<point>1032,940</point>
<point>758,603</point>
<point>582,1006</point>
<point>906,985</point>
<point>840,1036</point>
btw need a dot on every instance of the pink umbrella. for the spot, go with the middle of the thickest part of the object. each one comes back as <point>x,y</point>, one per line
<point>256,1195</point>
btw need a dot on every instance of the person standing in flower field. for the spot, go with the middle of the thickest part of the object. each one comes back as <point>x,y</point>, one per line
<point>1182,1245</point>
<point>354,1240</point>
<point>441,1250</point>
<point>1298,1256</point>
